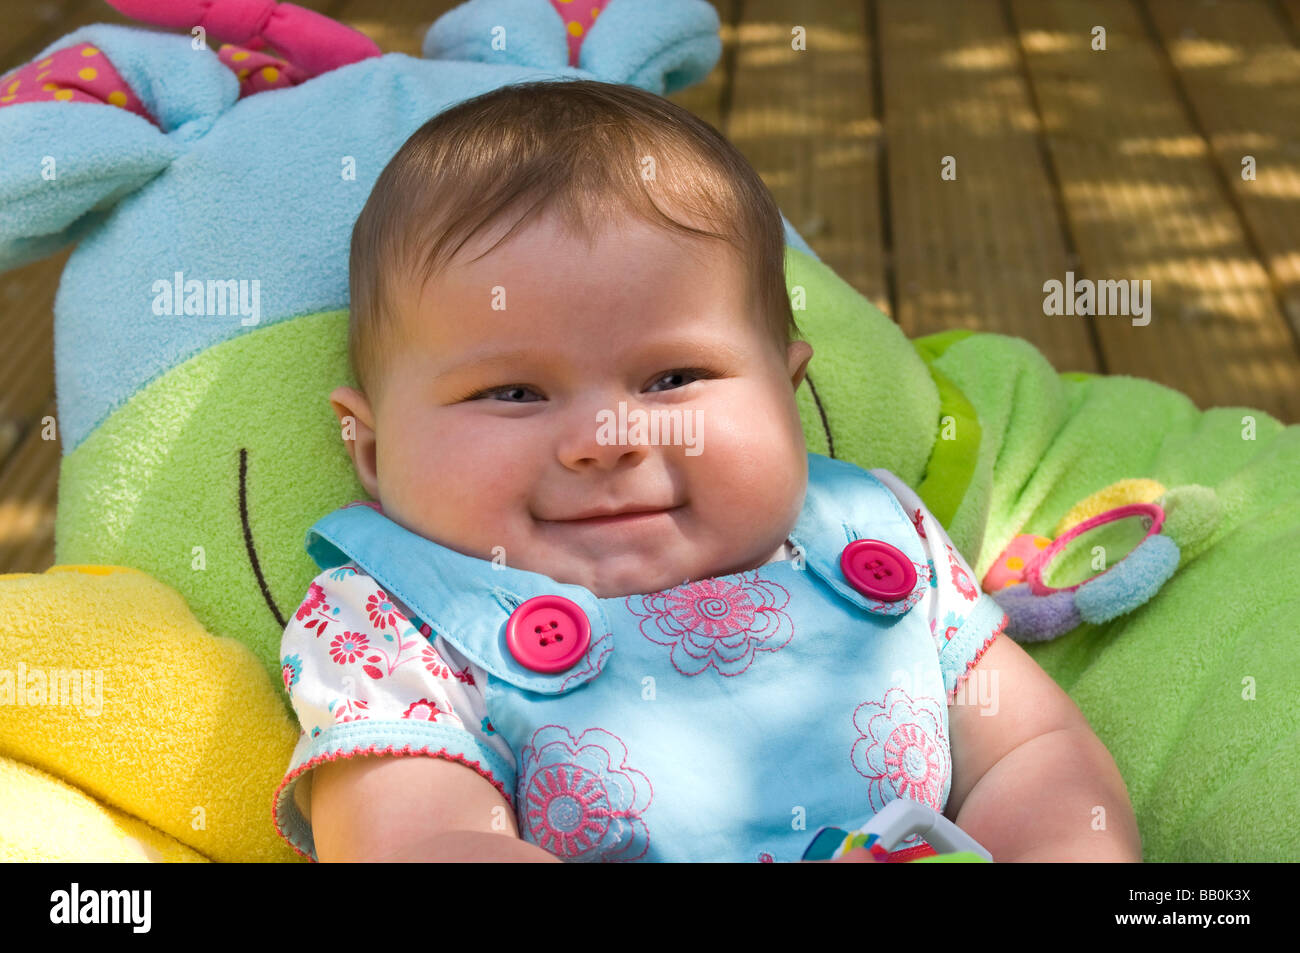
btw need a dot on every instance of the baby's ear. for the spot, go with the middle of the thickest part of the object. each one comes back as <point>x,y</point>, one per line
<point>90,120</point>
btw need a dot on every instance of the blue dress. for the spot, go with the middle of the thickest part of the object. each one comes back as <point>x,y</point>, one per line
<point>725,719</point>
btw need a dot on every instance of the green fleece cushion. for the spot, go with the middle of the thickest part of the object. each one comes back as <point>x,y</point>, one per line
<point>1194,693</point>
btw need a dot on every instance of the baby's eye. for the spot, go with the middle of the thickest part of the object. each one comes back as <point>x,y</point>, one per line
<point>686,373</point>
<point>513,390</point>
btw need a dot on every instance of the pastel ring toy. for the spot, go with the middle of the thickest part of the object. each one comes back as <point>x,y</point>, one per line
<point>1153,518</point>
<point>1037,611</point>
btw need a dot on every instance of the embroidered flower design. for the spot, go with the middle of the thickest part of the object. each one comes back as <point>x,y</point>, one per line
<point>959,577</point>
<point>916,521</point>
<point>902,749</point>
<point>290,671</point>
<point>315,597</point>
<point>579,799</point>
<point>347,647</point>
<point>423,710</point>
<point>717,622</point>
<point>383,613</point>
<point>934,573</point>
<point>592,664</point>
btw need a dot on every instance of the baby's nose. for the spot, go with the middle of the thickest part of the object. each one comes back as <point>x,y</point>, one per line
<point>604,433</point>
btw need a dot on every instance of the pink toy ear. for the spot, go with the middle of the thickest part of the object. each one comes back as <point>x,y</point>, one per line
<point>310,41</point>
<point>579,16</point>
<point>259,72</point>
<point>74,74</point>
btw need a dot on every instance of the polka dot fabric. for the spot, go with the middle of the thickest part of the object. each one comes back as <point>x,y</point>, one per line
<point>76,74</point>
<point>1009,568</point>
<point>579,16</point>
<point>83,74</point>
<point>258,71</point>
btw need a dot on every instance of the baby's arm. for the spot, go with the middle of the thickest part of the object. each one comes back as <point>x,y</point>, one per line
<point>397,759</point>
<point>1029,773</point>
<point>433,810</point>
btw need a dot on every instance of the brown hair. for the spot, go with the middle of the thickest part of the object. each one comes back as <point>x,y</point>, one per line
<point>581,147</point>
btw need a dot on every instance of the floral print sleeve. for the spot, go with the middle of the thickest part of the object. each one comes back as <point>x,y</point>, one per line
<point>364,676</point>
<point>963,620</point>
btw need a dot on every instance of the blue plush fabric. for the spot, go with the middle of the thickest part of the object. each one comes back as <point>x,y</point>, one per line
<point>1119,590</point>
<point>661,46</point>
<point>1129,584</point>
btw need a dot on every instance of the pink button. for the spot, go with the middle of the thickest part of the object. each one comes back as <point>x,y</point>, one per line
<point>878,570</point>
<point>548,634</point>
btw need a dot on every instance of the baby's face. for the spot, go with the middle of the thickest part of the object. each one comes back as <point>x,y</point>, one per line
<point>647,318</point>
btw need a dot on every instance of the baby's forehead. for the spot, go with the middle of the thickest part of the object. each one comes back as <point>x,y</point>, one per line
<point>497,270</point>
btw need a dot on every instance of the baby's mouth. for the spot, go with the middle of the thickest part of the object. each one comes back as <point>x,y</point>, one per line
<point>622,519</point>
<point>628,516</point>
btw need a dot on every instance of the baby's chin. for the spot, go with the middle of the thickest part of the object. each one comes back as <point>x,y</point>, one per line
<point>617,577</point>
<point>635,574</point>
<point>605,574</point>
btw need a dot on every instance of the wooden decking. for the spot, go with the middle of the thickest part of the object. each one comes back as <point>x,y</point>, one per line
<point>1115,164</point>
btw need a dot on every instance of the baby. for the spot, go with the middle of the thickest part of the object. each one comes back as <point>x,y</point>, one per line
<point>607,647</point>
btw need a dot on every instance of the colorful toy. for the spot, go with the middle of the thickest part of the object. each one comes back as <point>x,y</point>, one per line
<point>1112,574</point>
<point>900,818</point>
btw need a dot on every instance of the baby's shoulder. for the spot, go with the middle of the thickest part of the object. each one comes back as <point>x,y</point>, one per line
<point>343,587</point>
